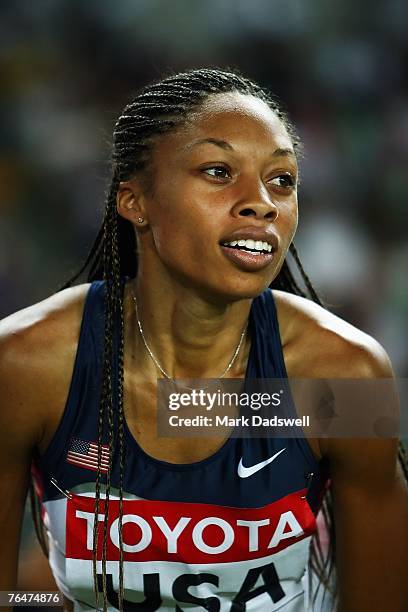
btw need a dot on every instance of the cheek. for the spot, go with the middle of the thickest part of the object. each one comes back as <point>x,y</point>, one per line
<point>176,230</point>
<point>295,219</point>
<point>287,221</point>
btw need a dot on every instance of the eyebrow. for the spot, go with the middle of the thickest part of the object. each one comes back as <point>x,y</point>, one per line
<point>219,143</point>
<point>280,152</point>
<point>223,144</point>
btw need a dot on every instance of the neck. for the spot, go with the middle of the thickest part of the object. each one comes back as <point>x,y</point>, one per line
<point>190,335</point>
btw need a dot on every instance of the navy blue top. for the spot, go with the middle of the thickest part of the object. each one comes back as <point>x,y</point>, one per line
<point>213,480</point>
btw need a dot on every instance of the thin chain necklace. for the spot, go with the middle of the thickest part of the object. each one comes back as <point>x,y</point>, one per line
<point>158,364</point>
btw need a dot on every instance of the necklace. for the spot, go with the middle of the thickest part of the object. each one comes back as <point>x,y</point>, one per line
<point>158,364</point>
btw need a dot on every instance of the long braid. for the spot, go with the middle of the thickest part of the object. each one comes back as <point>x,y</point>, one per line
<point>118,312</point>
<point>159,108</point>
<point>320,563</point>
<point>403,458</point>
<point>93,255</point>
<point>121,453</point>
<point>112,280</point>
<point>305,277</point>
<point>105,405</point>
<point>286,282</point>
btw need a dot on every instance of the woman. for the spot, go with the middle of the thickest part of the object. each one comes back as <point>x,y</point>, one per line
<point>200,215</point>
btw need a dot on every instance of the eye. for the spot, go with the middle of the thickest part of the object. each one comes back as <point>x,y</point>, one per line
<point>286,181</point>
<point>217,172</point>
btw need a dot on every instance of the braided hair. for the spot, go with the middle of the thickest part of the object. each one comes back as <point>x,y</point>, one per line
<point>157,109</point>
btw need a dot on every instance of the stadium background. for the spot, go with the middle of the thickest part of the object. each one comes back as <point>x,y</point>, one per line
<point>68,68</point>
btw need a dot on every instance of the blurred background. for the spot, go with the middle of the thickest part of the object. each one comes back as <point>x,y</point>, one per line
<point>341,68</point>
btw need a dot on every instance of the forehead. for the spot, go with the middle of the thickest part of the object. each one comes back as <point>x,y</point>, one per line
<point>236,118</point>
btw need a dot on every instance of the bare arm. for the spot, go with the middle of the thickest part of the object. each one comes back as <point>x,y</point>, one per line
<point>19,434</point>
<point>37,351</point>
<point>370,498</point>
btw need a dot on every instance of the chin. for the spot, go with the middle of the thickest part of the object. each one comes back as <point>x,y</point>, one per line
<point>236,289</point>
<point>248,292</point>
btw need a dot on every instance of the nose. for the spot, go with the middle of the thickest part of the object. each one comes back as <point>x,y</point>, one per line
<point>257,202</point>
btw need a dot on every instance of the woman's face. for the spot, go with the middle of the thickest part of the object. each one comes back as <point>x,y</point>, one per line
<point>228,172</point>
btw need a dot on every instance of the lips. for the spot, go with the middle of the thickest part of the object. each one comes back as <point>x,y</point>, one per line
<point>254,233</point>
<point>249,262</point>
<point>246,260</point>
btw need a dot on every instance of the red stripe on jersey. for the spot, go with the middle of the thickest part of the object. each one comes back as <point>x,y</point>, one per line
<point>188,532</point>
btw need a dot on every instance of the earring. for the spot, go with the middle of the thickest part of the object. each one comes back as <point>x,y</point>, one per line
<point>140,219</point>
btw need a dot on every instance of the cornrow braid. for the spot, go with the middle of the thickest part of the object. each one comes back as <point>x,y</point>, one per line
<point>286,282</point>
<point>159,108</point>
<point>305,277</point>
<point>94,255</point>
<point>403,458</point>
<point>106,402</point>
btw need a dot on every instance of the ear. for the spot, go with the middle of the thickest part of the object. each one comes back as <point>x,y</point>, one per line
<point>130,202</point>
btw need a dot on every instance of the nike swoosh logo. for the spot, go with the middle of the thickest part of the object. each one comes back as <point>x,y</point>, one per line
<point>244,472</point>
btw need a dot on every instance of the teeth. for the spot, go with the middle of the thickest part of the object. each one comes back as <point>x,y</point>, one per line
<point>257,245</point>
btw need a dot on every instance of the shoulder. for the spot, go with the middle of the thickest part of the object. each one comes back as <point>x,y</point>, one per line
<point>318,343</point>
<point>44,324</point>
<point>37,349</point>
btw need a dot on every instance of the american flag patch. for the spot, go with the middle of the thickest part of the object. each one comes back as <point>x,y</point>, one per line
<point>85,454</point>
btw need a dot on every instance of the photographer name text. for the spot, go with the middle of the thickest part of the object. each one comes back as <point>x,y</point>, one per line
<point>242,421</point>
